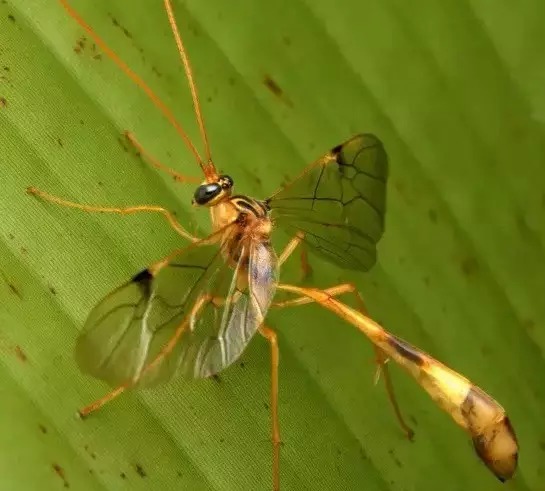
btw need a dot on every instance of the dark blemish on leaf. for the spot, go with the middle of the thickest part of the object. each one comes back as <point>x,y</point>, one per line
<point>216,378</point>
<point>231,81</point>
<point>60,143</point>
<point>276,90</point>
<point>24,250</point>
<point>19,353</point>
<point>363,455</point>
<point>80,45</point>
<point>140,470</point>
<point>432,214</point>
<point>286,40</point>
<point>426,280</point>
<point>156,71</point>
<point>92,454</point>
<point>81,122</point>
<point>118,25</point>
<point>469,266</point>
<point>242,364</point>
<point>43,429</point>
<point>13,289</point>
<point>273,86</point>
<point>60,472</point>
<point>122,475</point>
<point>11,236</point>
<point>3,102</point>
<point>11,18</point>
<point>6,68</point>
<point>209,99</point>
<point>179,474</point>
<point>266,405</point>
<point>542,445</point>
<point>394,458</point>
<point>413,420</point>
<point>52,290</point>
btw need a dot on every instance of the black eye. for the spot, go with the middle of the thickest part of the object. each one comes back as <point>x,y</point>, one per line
<point>206,192</point>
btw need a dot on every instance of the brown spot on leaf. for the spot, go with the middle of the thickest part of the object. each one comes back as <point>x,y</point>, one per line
<point>80,44</point>
<point>90,452</point>
<point>116,23</point>
<point>43,429</point>
<point>3,102</point>
<point>140,470</point>
<point>53,290</point>
<point>394,458</point>
<point>60,472</point>
<point>19,353</point>
<point>60,142</point>
<point>12,288</point>
<point>276,90</point>
<point>11,17</point>
<point>122,475</point>
<point>155,70</point>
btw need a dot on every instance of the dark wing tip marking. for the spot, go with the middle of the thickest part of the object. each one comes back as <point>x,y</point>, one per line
<point>143,279</point>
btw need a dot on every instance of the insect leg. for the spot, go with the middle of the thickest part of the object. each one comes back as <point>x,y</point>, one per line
<point>158,165</point>
<point>270,335</point>
<point>295,241</point>
<point>380,357</point>
<point>121,211</point>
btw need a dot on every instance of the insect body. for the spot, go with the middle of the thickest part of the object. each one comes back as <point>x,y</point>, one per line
<point>194,312</point>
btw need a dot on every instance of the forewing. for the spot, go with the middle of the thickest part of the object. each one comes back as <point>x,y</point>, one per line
<point>129,327</point>
<point>197,311</point>
<point>339,202</point>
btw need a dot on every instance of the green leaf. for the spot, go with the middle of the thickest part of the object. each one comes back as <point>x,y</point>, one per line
<point>455,91</point>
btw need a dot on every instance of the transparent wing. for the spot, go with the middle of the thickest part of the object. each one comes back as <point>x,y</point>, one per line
<point>194,316</point>
<point>339,202</point>
<point>220,335</point>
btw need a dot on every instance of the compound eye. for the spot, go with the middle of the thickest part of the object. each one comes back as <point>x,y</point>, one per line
<point>206,192</point>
